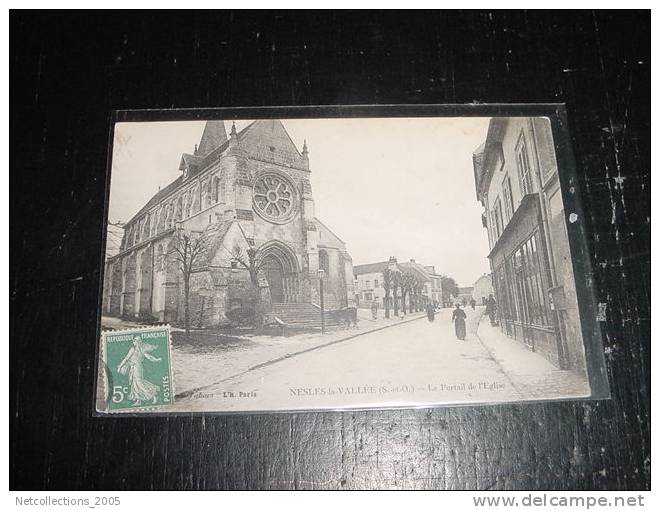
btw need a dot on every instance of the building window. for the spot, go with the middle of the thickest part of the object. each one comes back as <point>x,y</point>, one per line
<point>498,223</point>
<point>522,162</point>
<point>368,284</point>
<point>508,198</point>
<point>375,284</point>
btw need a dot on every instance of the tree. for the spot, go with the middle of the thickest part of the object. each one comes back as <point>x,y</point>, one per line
<point>187,250</point>
<point>416,293</point>
<point>407,285</point>
<point>387,286</point>
<point>252,261</point>
<point>449,286</point>
<point>396,284</point>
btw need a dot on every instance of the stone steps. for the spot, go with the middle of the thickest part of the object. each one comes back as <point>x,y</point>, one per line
<point>301,315</point>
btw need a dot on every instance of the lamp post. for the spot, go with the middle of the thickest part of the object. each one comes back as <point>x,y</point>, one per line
<point>321,275</point>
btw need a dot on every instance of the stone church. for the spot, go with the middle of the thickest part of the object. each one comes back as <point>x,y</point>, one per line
<point>250,189</point>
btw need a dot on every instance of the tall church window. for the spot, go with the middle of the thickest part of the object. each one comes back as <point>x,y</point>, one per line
<point>195,200</point>
<point>161,219</point>
<point>205,195</point>
<point>213,190</point>
<point>165,213</point>
<point>208,192</point>
<point>170,215</point>
<point>147,226</point>
<point>324,262</point>
<point>183,198</point>
<point>216,189</point>
<point>179,209</point>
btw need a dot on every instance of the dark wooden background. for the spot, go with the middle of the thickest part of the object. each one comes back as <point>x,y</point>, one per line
<point>69,71</point>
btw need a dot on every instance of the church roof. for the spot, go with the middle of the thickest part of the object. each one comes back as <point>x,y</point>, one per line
<point>216,233</point>
<point>214,135</point>
<point>264,139</point>
<point>162,193</point>
<point>325,228</point>
<point>191,161</point>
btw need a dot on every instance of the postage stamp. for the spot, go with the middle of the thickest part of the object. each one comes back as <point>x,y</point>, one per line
<point>138,368</point>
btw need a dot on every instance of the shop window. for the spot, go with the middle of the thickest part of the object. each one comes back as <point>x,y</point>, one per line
<point>531,282</point>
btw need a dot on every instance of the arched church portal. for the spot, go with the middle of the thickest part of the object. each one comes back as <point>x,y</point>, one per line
<point>280,268</point>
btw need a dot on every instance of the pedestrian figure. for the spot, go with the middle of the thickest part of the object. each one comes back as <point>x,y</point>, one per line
<point>473,303</point>
<point>374,310</point>
<point>458,317</point>
<point>491,308</point>
<point>430,312</point>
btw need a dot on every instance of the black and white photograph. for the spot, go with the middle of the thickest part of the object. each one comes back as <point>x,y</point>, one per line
<point>344,262</point>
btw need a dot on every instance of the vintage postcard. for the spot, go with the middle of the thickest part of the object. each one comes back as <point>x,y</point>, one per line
<point>255,263</point>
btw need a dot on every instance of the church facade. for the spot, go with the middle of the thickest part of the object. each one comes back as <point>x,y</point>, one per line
<point>246,191</point>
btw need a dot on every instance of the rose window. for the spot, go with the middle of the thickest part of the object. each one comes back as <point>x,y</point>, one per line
<point>274,197</point>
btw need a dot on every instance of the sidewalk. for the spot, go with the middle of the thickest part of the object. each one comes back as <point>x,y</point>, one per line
<point>196,369</point>
<point>531,374</point>
<point>119,323</point>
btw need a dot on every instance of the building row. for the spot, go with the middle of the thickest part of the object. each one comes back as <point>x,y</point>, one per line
<point>517,183</point>
<point>372,286</point>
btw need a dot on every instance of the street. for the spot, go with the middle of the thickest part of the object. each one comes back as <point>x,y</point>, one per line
<point>416,362</point>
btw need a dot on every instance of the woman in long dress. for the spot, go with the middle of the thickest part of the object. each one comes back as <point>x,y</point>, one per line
<point>140,389</point>
<point>430,312</point>
<point>458,317</point>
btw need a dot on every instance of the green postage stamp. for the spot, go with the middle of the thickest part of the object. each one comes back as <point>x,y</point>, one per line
<point>138,368</point>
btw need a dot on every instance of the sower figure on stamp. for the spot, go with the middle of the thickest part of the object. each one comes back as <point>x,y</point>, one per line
<point>140,388</point>
<point>458,317</point>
